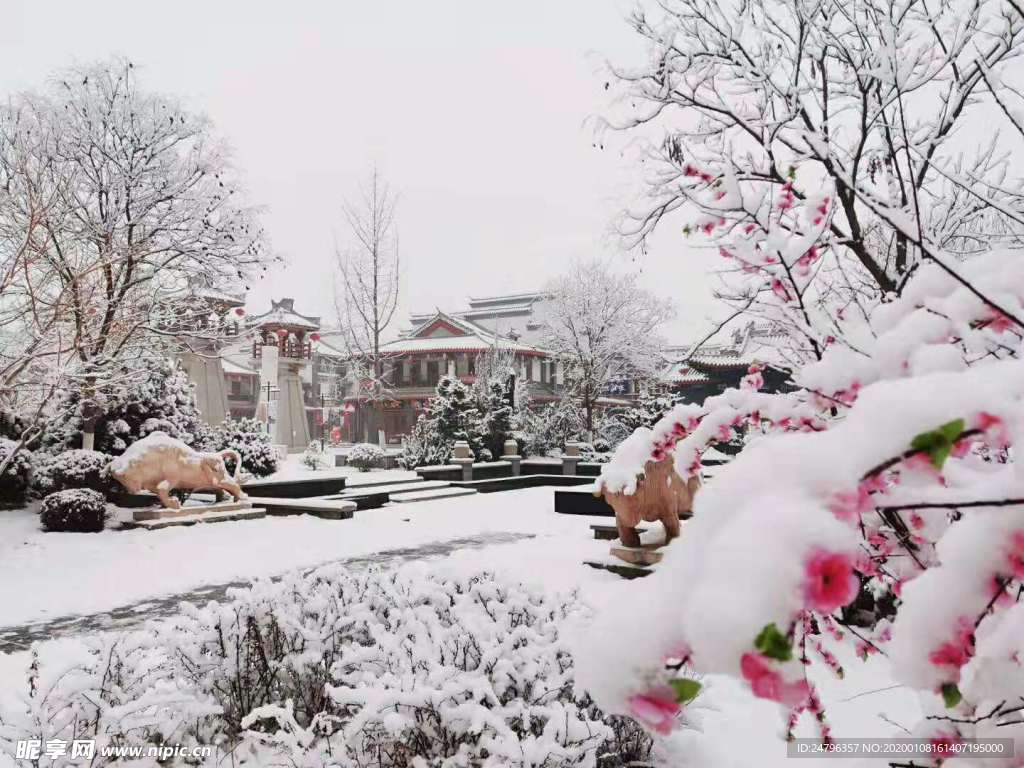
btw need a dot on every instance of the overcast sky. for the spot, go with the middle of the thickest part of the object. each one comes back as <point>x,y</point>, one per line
<point>475,110</point>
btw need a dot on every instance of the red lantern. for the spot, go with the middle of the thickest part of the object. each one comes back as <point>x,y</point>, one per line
<point>282,333</point>
<point>314,337</point>
<point>240,311</point>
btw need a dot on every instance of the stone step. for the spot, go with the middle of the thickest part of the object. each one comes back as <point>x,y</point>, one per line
<point>161,513</point>
<point>328,509</point>
<point>408,487</point>
<point>251,513</point>
<point>378,478</point>
<point>436,493</point>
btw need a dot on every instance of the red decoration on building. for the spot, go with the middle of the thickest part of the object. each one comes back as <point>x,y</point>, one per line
<point>282,333</point>
<point>314,337</point>
<point>240,311</point>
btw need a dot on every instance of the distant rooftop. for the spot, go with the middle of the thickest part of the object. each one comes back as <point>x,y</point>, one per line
<point>283,313</point>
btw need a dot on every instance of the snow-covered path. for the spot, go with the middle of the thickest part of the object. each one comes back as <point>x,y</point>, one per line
<point>21,638</point>
<point>49,576</point>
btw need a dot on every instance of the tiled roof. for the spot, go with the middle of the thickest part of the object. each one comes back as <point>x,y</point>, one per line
<point>283,313</point>
<point>468,342</point>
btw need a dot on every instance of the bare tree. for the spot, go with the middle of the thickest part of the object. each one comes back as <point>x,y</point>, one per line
<point>602,326</point>
<point>367,288</point>
<point>118,211</point>
<point>875,106</point>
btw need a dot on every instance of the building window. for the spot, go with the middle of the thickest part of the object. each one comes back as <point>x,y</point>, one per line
<point>236,387</point>
<point>471,365</point>
<point>433,372</point>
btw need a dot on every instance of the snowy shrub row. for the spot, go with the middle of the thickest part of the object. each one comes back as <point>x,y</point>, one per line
<point>76,468</point>
<point>353,669</point>
<point>77,510</point>
<point>365,456</point>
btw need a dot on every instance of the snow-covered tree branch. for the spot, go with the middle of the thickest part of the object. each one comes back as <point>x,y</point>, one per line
<point>367,285</point>
<point>602,326</point>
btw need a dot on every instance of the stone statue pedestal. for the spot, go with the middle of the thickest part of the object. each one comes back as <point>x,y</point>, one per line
<point>153,518</point>
<point>642,555</point>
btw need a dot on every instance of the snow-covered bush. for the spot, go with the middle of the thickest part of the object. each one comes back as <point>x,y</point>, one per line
<point>313,458</point>
<point>247,436</point>
<point>80,510</point>
<point>76,468</point>
<point>15,478</point>
<point>547,428</point>
<point>364,456</point>
<point>341,667</point>
<point>163,400</point>
<point>451,415</point>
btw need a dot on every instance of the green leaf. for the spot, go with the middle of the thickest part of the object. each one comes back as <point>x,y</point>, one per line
<point>774,644</point>
<point>938,443</point>
<point>686,690</point>
<point>951,695</point>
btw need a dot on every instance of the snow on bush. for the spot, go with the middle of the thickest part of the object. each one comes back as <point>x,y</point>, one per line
<point>79,510</point>
<point>161,400</point>
<point>364,456</point>
<point>313,458</point>
<point>15,477</point>
<point>247,436</point>
<point>892,467</point>
<point>76,468</point>
<point>355,669</point>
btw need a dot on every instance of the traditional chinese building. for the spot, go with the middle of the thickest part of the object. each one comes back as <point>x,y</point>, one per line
<point>710,369</point>
<point>440,344</point>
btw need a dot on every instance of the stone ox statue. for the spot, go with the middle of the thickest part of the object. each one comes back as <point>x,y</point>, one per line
<point>660,495</point>
<point>160,464</point>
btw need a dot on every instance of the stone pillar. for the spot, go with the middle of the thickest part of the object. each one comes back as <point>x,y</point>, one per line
<point>463,457</point>
<point>570,458</point>
<point>292,427</point>
<point>511,455</point>
<point>207,373</point>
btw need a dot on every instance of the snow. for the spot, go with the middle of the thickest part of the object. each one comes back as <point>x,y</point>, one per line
<point>105,570</point>
<point>101,571</point>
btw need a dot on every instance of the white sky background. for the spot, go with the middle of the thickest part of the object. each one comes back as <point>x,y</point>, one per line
<point>474,110</point>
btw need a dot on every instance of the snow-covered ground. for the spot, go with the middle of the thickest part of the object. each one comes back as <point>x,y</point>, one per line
<point>46,575</point>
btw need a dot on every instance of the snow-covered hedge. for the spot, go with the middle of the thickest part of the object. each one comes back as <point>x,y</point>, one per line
<point>247,436</point>
<point>79,510</point>
<point>365,456</point>
<point>14,480</point>
<point>76,468</point>
<point>354,669</point>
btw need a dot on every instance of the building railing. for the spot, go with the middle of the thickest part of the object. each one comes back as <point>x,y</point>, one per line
<point>290,349</point>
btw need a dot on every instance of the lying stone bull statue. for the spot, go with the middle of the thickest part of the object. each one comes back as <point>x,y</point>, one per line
<point>160,464</point>
<point>660,495</point>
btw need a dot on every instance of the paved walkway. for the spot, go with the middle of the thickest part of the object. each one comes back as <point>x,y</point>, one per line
<point>19,638</point>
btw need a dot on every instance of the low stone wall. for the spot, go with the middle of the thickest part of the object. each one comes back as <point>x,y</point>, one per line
<point>540,466</point>
<point>523,481</point>
<point>440,472</point>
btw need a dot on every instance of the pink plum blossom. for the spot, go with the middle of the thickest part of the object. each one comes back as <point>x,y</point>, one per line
<point>766,682</point>
<point>657,709</point>
<point>829,580</point>
<point>781,291</point>
<point>1015,555</point>
<point>848,506</point>
<point>957,651</point>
